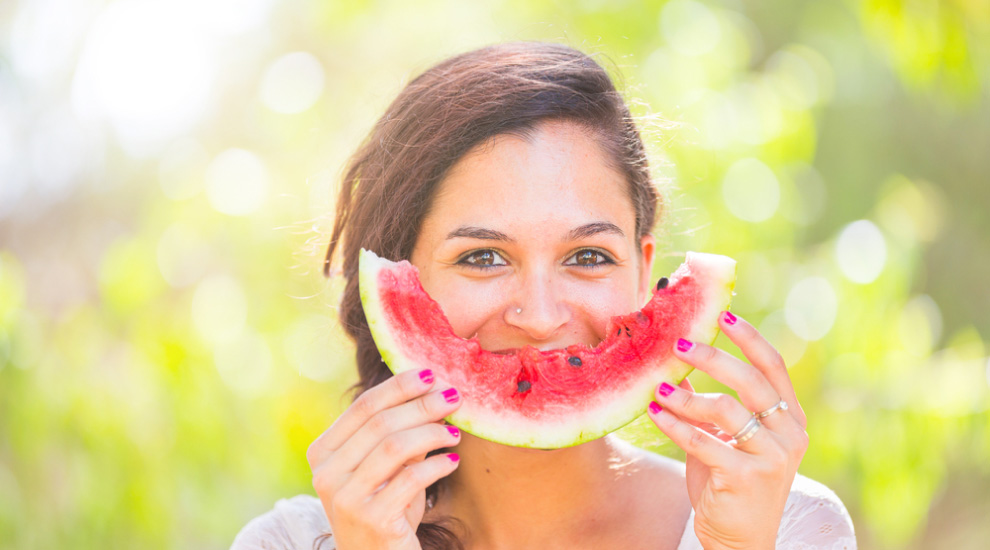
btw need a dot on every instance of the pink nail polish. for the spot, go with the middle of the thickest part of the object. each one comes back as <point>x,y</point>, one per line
<point>654,408</point>
<point>450,395</point>
<point>426,375</point>
<point>666,389</point>
<point>454,457</point>
<point>684,345</point>
<point>730,319</point>
<point>454,431</point>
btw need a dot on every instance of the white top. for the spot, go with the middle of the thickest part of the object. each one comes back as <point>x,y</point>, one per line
<point>814,519</point>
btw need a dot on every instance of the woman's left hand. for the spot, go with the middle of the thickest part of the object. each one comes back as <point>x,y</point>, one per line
<point>737,489</point>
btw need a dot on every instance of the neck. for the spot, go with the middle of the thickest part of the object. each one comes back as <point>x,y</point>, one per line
<point>509,497</point>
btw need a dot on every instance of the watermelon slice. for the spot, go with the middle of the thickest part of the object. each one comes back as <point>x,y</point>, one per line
<point>556,398</point>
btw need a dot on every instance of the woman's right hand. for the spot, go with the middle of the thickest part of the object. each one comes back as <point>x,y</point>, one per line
<point>370,468</point>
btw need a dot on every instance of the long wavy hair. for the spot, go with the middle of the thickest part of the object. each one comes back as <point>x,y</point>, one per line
<point>439,116</point>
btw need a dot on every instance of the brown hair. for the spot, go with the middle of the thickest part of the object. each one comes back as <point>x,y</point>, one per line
<point>438,117</point>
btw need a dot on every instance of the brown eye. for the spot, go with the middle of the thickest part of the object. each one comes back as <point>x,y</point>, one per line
<point>590,258</point>
<point>483,258</point>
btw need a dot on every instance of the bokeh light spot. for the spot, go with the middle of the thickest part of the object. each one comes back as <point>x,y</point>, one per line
<point>803,202</point>
<point>146,69</point>
<point>219,308</point>
<point>292,83</point>
<point>183,255</point>
<point>775,329</point>
<point>756,283</point>
<point>920,325</point>
<point>811,307</point>
<point>751,190</point>
<point>228,17</point>
<point>181,169</point>
<point>861,251</point>
<point>236,182</point>
<point>317,348</point>
<point>690,27</point>
<point>757,118</point>
<point>794,79</point>
<point>843,378</point>
<point>245,363</point>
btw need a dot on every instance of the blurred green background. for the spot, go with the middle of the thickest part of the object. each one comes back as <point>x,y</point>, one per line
<point>168,348</point>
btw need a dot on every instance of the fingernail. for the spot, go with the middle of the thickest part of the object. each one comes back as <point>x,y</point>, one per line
<point>426,375</point>
<point>730,319</point>
<point>454,457</point>
<point>666,389</point>
<point>654,408</point>
<point>454,431</point>
<point>684,345</point>
<point>450,395</point>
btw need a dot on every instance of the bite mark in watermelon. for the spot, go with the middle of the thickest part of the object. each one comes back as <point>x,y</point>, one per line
<point>555,398</point>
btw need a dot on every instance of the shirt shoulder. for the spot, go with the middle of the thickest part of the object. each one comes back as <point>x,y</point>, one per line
<point>292,524</point>
<point>814,519</point>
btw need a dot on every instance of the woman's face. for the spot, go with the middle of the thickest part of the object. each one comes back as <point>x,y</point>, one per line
<point>541,224</point>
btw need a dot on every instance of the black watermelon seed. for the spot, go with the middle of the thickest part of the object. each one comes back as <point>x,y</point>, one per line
<point>629,334</point>
<point>575,361</point>
<point>523,386</point>
<point>662,283</point>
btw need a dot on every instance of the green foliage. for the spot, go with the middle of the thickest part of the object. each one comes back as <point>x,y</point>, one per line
<point>168,348</point>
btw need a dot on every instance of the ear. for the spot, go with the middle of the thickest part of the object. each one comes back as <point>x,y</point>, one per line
<point>647,247</point>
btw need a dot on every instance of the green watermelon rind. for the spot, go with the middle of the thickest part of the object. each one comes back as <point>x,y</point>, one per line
<point>622,406</point>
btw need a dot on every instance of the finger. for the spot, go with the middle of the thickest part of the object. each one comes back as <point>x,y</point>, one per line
<point>753,388</point>
<point>764,357</point>
<point>694,441</point>
<point>715,408</point>
<point>426,410</point>
<point>408,483</point>
<point>707,426</point>
<point>396,452</point>
<point>394,391</point>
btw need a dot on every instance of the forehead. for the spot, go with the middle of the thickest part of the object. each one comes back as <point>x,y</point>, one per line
<point>552,179</point>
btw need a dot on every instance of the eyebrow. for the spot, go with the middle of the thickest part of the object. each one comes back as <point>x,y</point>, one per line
<point>592,229</point>
<point>582,232</point>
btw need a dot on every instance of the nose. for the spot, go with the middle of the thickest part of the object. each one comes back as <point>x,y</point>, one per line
<point>538,307</point>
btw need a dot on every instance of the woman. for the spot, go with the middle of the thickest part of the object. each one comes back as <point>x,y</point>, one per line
<point>514,178</point>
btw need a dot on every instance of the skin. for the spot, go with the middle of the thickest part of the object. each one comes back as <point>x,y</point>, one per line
<point>545,225</point>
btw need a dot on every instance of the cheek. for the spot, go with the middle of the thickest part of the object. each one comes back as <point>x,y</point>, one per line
<point>469,307</point>
<point>598,306</point>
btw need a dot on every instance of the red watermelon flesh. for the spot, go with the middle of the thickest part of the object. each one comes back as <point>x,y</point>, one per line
<point>555,398</point>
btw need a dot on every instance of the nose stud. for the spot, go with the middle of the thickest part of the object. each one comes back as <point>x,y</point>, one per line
<point>518,310</point>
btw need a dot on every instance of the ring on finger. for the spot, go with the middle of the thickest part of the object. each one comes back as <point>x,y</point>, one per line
<point>780,406</point>
<point>748,431</point>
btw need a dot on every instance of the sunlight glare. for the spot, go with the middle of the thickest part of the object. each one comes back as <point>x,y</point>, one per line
<point>146,69</point>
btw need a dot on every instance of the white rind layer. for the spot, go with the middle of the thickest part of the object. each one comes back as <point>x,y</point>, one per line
<point>619,407</point>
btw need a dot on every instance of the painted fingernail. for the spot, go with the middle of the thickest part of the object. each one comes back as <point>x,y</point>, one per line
<point>654,408</point>
<point>450,395</point>
<point>666,389</point>
<point>426,375</point>
<point>730,319</point>
<point>454,431</point>
<point>454,457</point>
<point>684,345</point>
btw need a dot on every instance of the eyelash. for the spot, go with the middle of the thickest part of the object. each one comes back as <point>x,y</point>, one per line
<point>464,260</point>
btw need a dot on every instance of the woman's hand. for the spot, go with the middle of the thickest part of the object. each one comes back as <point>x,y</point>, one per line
<point>370,468</point>
<point>737,490</point>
